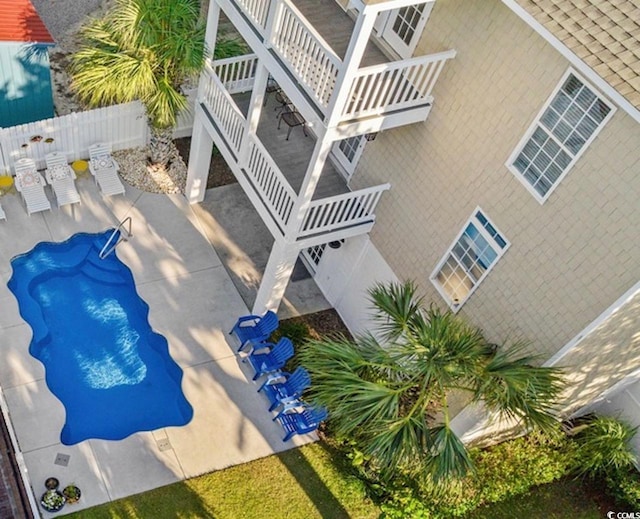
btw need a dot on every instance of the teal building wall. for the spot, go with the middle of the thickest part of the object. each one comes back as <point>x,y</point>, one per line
<point>25,83</point>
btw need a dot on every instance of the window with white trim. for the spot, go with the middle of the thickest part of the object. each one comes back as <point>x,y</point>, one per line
<point>570,120</point>
<point>315,253</point>
<point>349,147</point>
<point>468,261</point>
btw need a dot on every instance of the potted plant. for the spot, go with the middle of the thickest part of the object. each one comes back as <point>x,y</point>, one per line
<point>71,493</point>
<point>51,483</point>
<point>52,500</point>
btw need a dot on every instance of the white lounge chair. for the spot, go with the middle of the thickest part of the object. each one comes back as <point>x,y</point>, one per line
<point>2,215</point>
<point>30,184</point>
<point>104,168</point>
<point>61,178</point>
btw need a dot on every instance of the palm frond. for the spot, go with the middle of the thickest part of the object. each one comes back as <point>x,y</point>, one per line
<point>399,443</point>
<point>516,388</point>
<point>104,77</point>
<point>125,21</point>
<point>442,349</point>
<point>449,457</point>
<point>144,50</point>
<point>356,391</point>
<point>394,306</point>
<point>164,105</point>
<point>380,360</point>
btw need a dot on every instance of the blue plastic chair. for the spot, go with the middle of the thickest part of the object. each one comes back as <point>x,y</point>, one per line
<point>301,423</point>
<point>254,329</point>
<point>271,360</point>
<point>293,386</point>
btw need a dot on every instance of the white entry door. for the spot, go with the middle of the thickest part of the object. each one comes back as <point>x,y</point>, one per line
<point>403,27</point>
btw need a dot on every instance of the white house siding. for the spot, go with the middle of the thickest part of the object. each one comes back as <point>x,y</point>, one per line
<point>344,275</point>
<point>571,257</point>
<point>602,372</point>
<point>605,356</point>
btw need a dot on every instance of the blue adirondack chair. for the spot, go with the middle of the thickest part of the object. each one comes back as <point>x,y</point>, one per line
<point>254,329</point>
<point>303,422</point>
<point>292,387</point>
<point>273,359</point>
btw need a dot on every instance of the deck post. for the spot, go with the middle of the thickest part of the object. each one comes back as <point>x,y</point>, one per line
<point>255,110</point>
<point>213,18</point>
<point>351,64</point>
<point>199,160</point>
<point>276,276</point>
<point>270,24</point>
<point>312,176</point>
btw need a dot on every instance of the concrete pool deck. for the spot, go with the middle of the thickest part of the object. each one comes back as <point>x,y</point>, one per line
<point>193,303</point>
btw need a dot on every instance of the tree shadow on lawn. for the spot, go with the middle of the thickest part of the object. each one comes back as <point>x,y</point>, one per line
<point>310,482</point>
<point>169,502</point>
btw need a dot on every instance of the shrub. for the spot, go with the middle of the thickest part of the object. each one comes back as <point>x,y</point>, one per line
<point>603,447</point>
<point>624,487</point>
<point>296,330</point>
<point>228,47</point>
<point>403,503</point>
<point>508,469</point>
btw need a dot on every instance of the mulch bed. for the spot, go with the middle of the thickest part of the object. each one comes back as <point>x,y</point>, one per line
<point>219,172</point>
<point>595,490</point>
<point>324,323</point>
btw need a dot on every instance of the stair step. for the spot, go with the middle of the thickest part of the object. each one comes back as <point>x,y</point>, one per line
<point>104,276</point>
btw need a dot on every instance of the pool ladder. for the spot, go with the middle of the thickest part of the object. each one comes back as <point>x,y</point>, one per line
<point>106,250</point>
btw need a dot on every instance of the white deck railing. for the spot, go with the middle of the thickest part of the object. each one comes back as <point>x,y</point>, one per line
<point>270,184</point>
<point>328,214</point>
<point>257,11</point>
<point>273,188</point>
<point>375,90</point>
<point>229,118</point>
<point>394,86</point>
<point>237,74</point>
<point>311,58</point>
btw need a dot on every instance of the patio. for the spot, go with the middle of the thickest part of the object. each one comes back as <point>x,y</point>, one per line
<point>193,303</point>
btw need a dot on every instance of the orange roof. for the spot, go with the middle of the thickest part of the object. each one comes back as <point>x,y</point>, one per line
<point>20,22</point>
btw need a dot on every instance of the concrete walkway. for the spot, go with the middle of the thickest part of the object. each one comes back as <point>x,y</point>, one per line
<point>243,243</point>
<point>193,302</point>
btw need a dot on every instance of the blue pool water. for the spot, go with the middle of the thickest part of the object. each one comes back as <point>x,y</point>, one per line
<point>110,370</point>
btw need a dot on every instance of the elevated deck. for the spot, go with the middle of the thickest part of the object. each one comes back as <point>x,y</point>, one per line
<point>271,169</point>
<point>292,156</point>
<point>336,27</point>
<point>303,44</point>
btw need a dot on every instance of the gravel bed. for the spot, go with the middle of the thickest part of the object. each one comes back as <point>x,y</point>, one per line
<point>63,16</point>
<point>136,171</point>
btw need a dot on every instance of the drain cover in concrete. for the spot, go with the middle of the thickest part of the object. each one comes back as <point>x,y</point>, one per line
<point>62,459</point>
<point>163,444</point>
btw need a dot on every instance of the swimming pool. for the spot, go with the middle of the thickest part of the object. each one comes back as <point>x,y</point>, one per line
<point>111,371</point>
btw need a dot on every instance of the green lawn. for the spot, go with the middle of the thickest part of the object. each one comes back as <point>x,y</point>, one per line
<point>307,483</point>
<point>565,499</point>
<point>302,483</point>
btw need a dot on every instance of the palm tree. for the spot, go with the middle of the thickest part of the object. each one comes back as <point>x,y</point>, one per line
<point>143,50</point>
<point>392,394</point>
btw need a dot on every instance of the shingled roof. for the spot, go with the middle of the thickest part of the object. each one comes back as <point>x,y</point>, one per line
<point>19,22</point>
<point>604,34</point>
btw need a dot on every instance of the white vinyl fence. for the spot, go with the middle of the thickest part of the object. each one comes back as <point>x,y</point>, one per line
<point>123,126</point>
